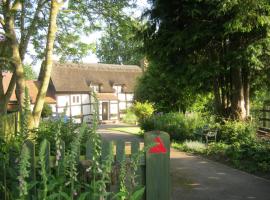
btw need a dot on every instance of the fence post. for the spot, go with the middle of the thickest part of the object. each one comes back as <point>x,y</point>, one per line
<point>157,165</point>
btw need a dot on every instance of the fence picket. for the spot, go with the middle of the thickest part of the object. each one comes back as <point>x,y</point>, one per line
<point>120,151</point>
<point>105,149</point>
<point>135,148</point>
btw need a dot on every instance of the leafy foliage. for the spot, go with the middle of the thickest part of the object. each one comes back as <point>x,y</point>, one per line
<point>67,177</point>
<point>235,131</point>
<point>162,87</point>
<point>130,117</point>
<point>142,110</point>
<point>29,73</point>
<point>179,126</point>
<point>119,44</point>
<point>46,111</point>
<point>52,129</point>
<point>208,46</point>
<point>251,155</point>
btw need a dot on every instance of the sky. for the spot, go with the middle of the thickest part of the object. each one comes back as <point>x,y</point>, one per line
<point>92,38</point>
<point>92,58</point>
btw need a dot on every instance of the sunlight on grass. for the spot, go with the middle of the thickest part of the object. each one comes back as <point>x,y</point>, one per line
<point>131,130</point>
<point>190,146</point>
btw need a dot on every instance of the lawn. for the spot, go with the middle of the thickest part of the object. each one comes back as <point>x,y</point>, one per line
<point>131,130</point>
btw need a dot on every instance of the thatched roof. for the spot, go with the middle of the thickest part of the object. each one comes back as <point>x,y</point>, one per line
<point>71,77</point>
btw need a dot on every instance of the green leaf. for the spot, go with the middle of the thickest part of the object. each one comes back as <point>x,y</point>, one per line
<point>138,194</point>
<point>83,195</point>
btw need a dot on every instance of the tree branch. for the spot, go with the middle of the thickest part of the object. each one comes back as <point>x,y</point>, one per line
<point>22,18</point>
<point>16,5</point>
<point>2,22</point>
<point>26,38</point>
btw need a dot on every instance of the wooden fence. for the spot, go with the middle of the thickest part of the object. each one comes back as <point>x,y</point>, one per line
<point>265,116</point>
<point>153,170</point>
<point>264,119</point>
<point>9,125</point>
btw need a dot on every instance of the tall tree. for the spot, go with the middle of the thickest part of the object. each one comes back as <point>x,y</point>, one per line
<point>47,65</point>
<point>18,50</point>
<point>120,44</point>
<point>218,45</point>
<point>24,25</point>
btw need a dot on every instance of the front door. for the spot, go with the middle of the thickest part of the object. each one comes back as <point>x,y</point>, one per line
<point>105,110</point>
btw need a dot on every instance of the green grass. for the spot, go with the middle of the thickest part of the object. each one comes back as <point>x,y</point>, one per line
<point>190,146</point>
<point>131,130</point>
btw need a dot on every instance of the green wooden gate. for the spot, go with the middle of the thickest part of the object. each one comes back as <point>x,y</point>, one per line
<point>153,170</point>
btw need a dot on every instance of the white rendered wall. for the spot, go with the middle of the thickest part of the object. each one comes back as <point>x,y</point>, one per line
<point>86,109</point>
<point>122,105</point>
<point>100,110</point>
<point>76,110</point>
<point>85,98</point>
<point>61,110</point>
<point>130,97</point>
<point>62,100</point>
<point>122,97</point>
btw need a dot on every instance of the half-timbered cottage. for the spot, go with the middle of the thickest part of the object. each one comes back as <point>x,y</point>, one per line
<point>73,86</point>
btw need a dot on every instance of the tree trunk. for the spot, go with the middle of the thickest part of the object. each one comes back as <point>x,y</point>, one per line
<point>218,103</point>
<point>16,59</point>
<point>47,65</point>
<point>17,50</point>
<point>246,85</point>
<point>238,110</point>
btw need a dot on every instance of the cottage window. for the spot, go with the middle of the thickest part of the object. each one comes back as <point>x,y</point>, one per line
<point>75,99</point>
<point>117,88</point>
<point>95,88</point>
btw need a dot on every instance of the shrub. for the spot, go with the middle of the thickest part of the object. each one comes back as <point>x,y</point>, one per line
<point>252,156</point>
<point>142,110</point>
<point>217,150</point>
<point>46,111</point>
<point>180,127</point>
<point>50,129</point>
<point>130,117</point>
<point>237,131</point>
<point>193,146</point>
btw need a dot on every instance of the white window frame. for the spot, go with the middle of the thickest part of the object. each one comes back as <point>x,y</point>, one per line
<point>117,89</point>
<point>95,88</point>
<point>75,99</point>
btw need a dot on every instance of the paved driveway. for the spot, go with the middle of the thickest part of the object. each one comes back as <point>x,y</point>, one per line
<point>196,178</point>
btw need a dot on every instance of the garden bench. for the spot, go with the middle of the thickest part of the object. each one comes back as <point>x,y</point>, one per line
<point>208,134</point>
<point>211,135</point>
